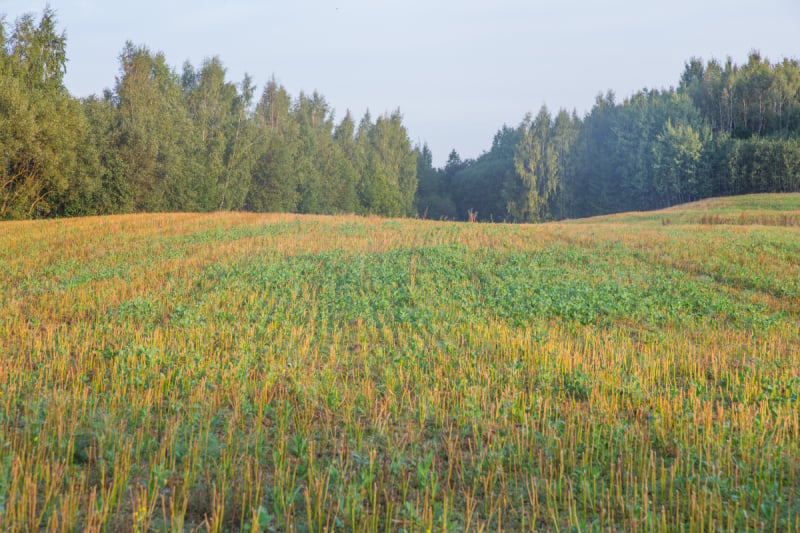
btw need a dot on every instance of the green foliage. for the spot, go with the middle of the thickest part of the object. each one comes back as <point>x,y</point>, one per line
<point>763,165</point>
<point>343,194</point>
<point>115,194</point>
<point>537,164</point>
<point>199,142</point>
<point>725,130</point>
<point>235,372</point>
<point>306,165</point>
<point>195,142</point>
<point>154,135</point>
<point>46,159</point>
<point>678,154</point>
<point>389,178</point>
<point>219,114</point>
<point>274,179</point>
<point>433,198</point>
<point>755,99</point>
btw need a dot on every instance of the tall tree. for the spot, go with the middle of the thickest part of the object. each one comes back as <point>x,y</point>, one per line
<point>114,194</point>
<point>219,115</point>
<point>678,152</point>
<point>346,159</point>
<point>536,161</point>
<point>157,144</point>
<point>314,161</point>
<point>389,179</point>
<point>564,133</point>
<point>45,156</point>
<point>434,199</point>
<point>274,182</point>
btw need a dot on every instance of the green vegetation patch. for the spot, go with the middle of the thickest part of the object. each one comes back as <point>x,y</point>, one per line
<point>229,373</point>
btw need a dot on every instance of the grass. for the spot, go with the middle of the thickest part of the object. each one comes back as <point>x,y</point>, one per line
<point>240,372</point>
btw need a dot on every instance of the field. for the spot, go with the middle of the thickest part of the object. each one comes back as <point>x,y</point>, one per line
<point>242,372</point>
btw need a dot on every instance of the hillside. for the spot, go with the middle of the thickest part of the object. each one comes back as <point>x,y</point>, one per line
<point>245,372</point>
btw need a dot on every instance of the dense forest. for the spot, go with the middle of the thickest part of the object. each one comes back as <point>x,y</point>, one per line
<point>194,141</point>
<point>725,130</point>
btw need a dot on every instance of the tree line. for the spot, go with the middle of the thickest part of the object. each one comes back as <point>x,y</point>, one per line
<point>725,130</point>
<point>194,141</point>
<point>190,141</point>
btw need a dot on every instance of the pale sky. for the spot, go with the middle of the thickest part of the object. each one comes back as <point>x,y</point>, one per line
<point>457,69</point>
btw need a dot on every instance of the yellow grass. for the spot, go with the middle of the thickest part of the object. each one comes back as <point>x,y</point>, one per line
<point>242,372</point>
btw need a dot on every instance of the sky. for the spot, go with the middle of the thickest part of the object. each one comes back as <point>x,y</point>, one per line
<point>457,69</point>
